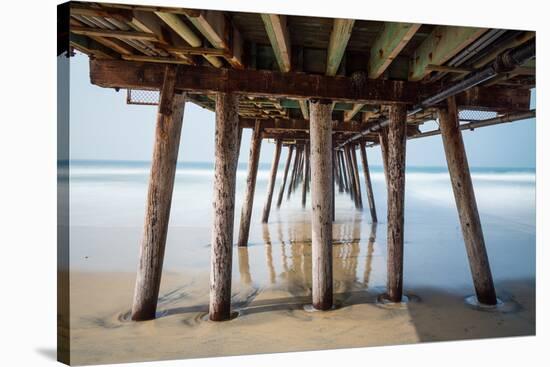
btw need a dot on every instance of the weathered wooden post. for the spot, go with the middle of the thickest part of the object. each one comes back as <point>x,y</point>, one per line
<point>343,174</point>
<point>368,183</point>
<point>285,175</point>
<point>305,182</point>
<point>253,160</point>
<point>272,179</point>
<point>225,172</point>
<point>349,170</point>
<point>321,202</point>
<point>358,195</point>
<point>159,198</point>
<point>397,142</point>
<point>339,172</point>
<point>383,138</point>
<point>333,184</point>
<point>294,172</point>
<point>463,189</point>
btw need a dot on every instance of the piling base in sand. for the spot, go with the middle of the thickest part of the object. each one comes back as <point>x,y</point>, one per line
<point>504,305</point>
<point>384,302</point>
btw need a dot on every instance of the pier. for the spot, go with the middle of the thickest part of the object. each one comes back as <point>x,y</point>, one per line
<point>322,90</point>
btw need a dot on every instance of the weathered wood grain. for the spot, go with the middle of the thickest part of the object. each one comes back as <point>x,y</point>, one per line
<point>225,171</point>
<point>321,203</point>
<point>397,141</point>
<point>463,190</point>
<point>355,166</point>
<point>159,199</point>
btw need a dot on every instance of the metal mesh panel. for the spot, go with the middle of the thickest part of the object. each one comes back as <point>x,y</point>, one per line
<point>143,97</point>
<point>475,115</point>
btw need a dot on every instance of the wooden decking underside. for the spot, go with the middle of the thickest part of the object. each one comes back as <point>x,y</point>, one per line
<point>430,56</point>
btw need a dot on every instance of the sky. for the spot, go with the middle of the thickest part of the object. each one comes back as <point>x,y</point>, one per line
<point>104,127</point>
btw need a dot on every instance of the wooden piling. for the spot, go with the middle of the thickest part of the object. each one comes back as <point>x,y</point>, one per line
<point>285,175</point>
<point>159,198</point>
<point>397,141</point>
<point>225,171</point>
<point>368,183</point>
<point>294,172</point>
<point>321,218</point>
<point>272,179</point>
<point>253,160</point>
<point>305,182</point>
<point>358,195</point>
<point>383,138</point>
<point>349,171</point>
<point>339,172</point>
<point>343,170</point>
<point>463,189</point>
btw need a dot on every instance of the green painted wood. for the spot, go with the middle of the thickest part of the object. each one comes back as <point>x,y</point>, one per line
<point>275,26</point>
<point>388,44</point>
<point>339,37</point>
<point>442,44</point>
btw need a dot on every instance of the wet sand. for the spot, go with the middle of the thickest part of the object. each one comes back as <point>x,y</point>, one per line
<point>272,280</point>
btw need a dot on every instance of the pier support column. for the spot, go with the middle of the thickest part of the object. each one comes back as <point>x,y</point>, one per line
<point>294,172</point>
<point>272,179</point>
<point>285,175</point>
<point>159,198</point>
<point>321,202</point>
<point>339,172</point>
<point>349,171</point>
<point>253,160</point>
<point>343,173</point>
<point>396,148</point>
<point>368,183</point>
<point>225,172</point>
<point>358,196</point>
<point>463,189</point>
<point>305,182</point>
<point>383,137</point>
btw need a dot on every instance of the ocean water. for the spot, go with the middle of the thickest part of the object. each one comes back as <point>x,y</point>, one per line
<point>272,276</point>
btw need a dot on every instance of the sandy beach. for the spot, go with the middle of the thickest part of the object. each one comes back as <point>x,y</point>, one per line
<point>272,277</point>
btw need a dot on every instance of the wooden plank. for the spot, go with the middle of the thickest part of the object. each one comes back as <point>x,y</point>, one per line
<point>449,69</point>
<point>214,27</point>
<point>130,35</point>
<point>140,75</point>
<point>443,43</point>
<point>388,45</point>
<point>276,28</point>
<point>339,37</point>
<point>225,172</point>
<point>156,59</point>
<point>463,190</point>
<point>91,47</point>
<point>159,198</point>
<point>321,204</point>
<point>123,15</point>
<point>304,107</point>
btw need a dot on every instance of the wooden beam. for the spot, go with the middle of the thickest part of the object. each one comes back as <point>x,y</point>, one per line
<point>225,172</point>
<point>463,190</point>
<point>222,34</point>
<point>159,198</point>
<point>187,34</point>
<point>339,37</point>
<point>123,15</point>
<point>368,183</point>
<point>130,35</point>
<point>90,46</point>
<point>140,75</point>
<point>296,125</point>
<point>388,45</point>
<point>349,115</point>
<point>156,59</point>
<point>443,43</point>
<point>449,69</point>
<point>276,28</point>
<point>304,107</point>
<point>321,204</point>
